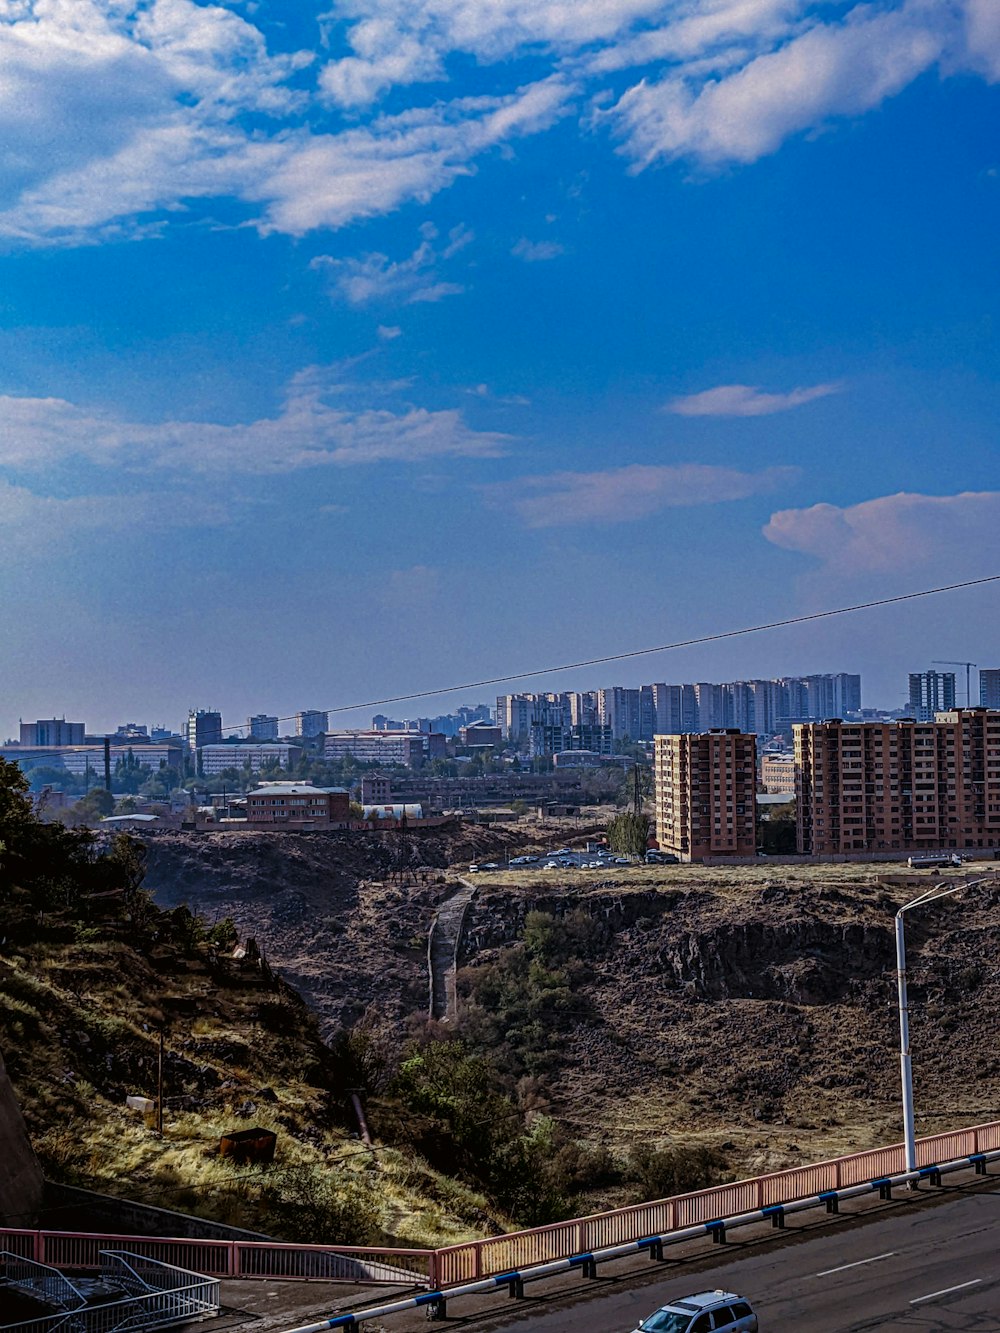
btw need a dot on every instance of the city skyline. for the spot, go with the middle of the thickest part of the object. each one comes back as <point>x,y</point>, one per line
<point>354,349</point>
<point>829,683</point>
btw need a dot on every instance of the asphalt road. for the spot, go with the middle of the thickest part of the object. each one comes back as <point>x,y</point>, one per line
<point>929,1269</point>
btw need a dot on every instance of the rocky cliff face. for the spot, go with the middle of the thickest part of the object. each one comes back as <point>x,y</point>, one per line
<point>739,1007</point>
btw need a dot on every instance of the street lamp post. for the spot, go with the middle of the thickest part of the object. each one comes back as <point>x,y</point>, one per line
<point>930,895</point>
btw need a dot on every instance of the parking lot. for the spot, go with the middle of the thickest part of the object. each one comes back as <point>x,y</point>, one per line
<point>563,858</point>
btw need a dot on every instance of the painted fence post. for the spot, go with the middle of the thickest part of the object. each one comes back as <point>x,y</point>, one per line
<point>38,1247</point>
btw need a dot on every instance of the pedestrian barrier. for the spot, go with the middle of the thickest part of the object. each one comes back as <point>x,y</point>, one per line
<point>497,1256</point>
<point>436,1302</point>
<point>271,1260</point>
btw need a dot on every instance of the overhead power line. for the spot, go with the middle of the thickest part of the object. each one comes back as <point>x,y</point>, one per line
<point>646,652</point>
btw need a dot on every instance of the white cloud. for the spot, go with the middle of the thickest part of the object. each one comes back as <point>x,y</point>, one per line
<point>982,37</point>
<point>113,112</point>
<point>827,70</point>
<point>744,400</point>
<point>399,42</point>
<point>34,522</point>
<point>389,331</point>
<point>37,434</point>
<point>117,114</point>
<point>893,532</point>
<point>634,492</point>
<point>374,277</point>
<point>534,251</point>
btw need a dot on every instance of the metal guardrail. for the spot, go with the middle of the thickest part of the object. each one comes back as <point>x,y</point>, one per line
<point>457,1264</point>
<point>40,1280</point>
<point>499,1254</point>
<point>157,1295</point>
<point>273,1261</point>
<point>436,1302</point>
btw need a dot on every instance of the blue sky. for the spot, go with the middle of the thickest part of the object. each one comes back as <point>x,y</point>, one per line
<point>351,349</point>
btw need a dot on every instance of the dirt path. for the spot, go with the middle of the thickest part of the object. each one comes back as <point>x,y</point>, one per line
<point>442,948</point>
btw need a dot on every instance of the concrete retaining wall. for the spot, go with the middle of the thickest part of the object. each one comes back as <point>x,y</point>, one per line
<point>71,1209</point>
<point>20,1175</point>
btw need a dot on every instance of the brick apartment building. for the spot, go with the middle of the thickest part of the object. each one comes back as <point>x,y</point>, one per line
<point>908,786</point>
<point>298,806</point>
<point>706,794</point>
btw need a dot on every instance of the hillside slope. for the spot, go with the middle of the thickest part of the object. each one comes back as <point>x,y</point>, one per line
<point>750,1008</point>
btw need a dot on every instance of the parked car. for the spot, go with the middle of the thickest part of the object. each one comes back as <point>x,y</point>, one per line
<point>490,865</point>
<point>473,869</point>
<point>705,1312</point>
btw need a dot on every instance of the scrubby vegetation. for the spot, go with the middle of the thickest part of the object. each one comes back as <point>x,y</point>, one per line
<point>92,972</point>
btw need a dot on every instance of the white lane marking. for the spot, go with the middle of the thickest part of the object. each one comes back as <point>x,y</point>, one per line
<point>844,1267</point>
<point>946,1291</point>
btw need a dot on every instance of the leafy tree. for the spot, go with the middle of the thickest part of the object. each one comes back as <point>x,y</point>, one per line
<point>97,803</point>
<point>661,1172</point>
<point>776,830</point>
<point>628,834</point>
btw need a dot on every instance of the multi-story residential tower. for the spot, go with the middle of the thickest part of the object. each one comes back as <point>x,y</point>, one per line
<point>311,722</point>
<point>620,709</point>
<point>706,794</point>
<point>676,709</point>
<point>902,786</point>
<point>930,692</point>
<point>263,727</point>
<point>203,727</point>
<point>989,687</point>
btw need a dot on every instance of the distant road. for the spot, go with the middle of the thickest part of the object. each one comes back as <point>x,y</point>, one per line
<point>927,1270</point>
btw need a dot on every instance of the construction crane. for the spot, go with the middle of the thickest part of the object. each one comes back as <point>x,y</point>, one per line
<point>940,661</point>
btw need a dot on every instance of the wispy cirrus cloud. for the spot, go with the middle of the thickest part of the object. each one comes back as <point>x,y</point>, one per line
<point>39,434</point>
<point>906,531</point>
<point>627,493</point>
<point>374,277</point>
<point>534,252</point>
<point>745,400</point>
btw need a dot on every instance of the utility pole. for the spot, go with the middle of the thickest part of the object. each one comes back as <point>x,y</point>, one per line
<point>159,1088</point>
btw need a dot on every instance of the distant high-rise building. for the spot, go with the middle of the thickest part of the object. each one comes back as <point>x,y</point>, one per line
<point>203,727</point>
<point>263,727</point>
<point>52,731</point>
<point>989,687</point>
<point>931,692</point>
<point>706,794</point>
<point>676,708</point>
<point>620,709</point>
<point>311,722</point>
<point>711,705</point>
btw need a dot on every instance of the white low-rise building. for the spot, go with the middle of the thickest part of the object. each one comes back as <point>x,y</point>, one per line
<point>216,758</point>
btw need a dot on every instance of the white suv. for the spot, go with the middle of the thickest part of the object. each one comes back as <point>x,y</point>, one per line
<point>707,1312</point>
